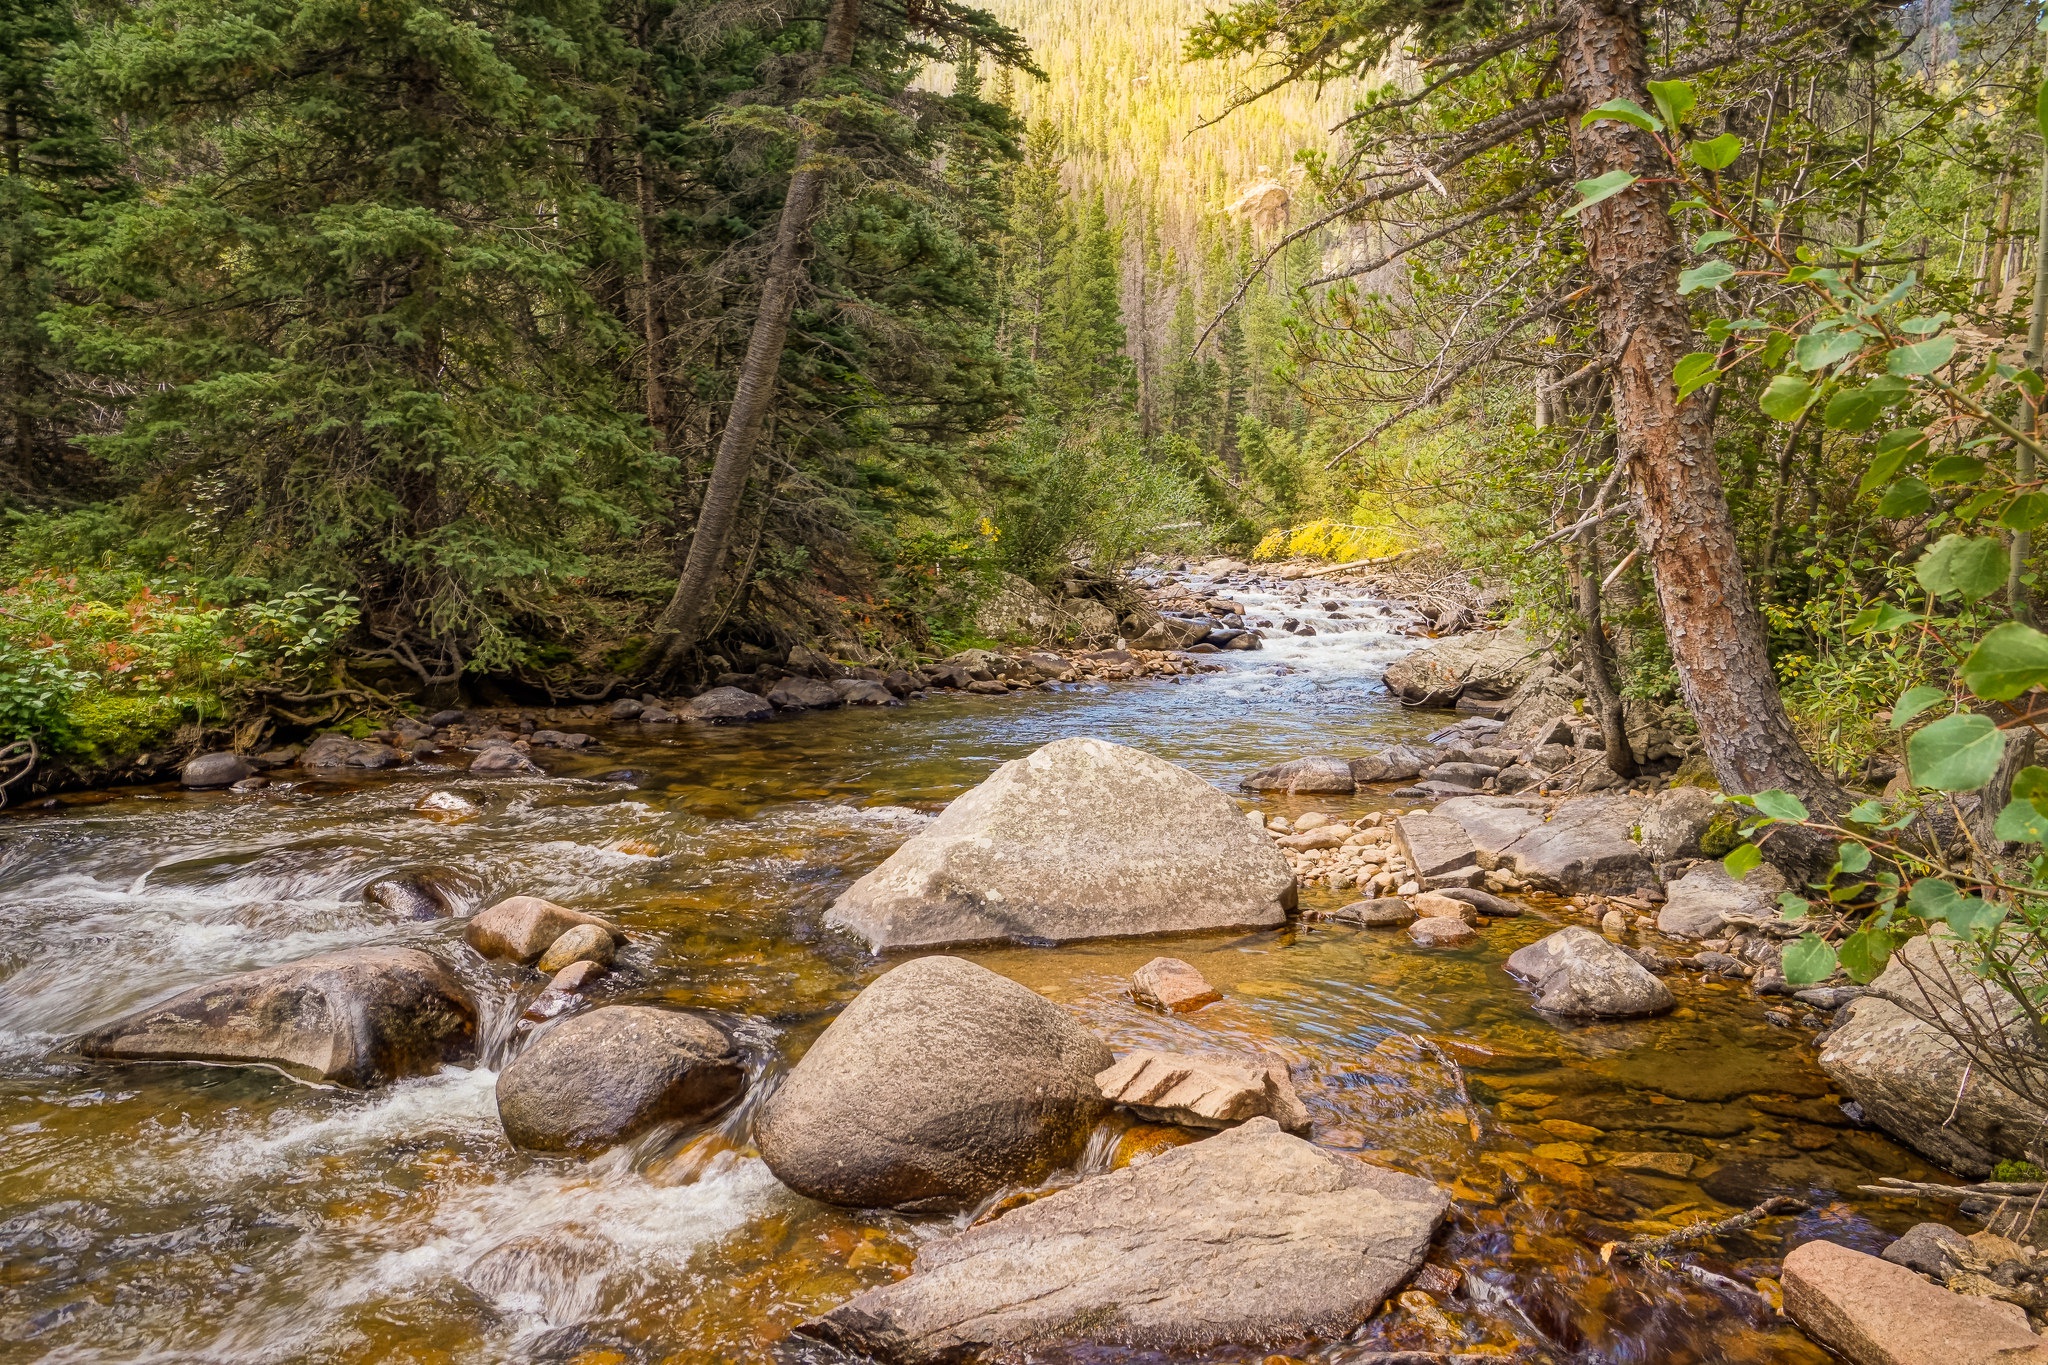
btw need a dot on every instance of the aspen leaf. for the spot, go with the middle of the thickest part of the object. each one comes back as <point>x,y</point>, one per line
<point>1864,953</point>
<point>1601,187</point>
<point>1624,111</point>
<point>1956,469</point>
<point>1742,860</point>
<point>2026,512</point>
<point>1922,357</point>
<point>1780,805</point>
<point>1716,154</point>
<point>1956,754</point>
<point>1694,371</point>
<point>1712,275</point>
<point>1912,702</point>
<point>1818,349</point>
<point>1906,498</point>
<point>1674,100</point>
<point>1969,567</point>
<point>2007,662</point>
<point>1807,959</point>
<point>1787,396</point>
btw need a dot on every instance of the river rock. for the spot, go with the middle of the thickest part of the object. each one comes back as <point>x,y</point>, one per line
<point>1583,848</point>
<point>1485,902</point>
<point>728,706</point>
<point>863,692</point>
<point>1322,836</point>
<point>421,893</point>
<point>355,1018</point>
<point>625,708</point>
<point>866,1119</point>
<point>1442,931</point>
<point>803,694</point>
<point>521,928</point>
<point>1432,844</point>
<point>1871,1312</point>
<point>1487,664</point>
<point>596,1079</point>
<point>1580,975</point>
<point>1171,632</point>
<point>1492,823</point>
<point>1701,903</point>
<point>579,943</point>
<point>657,715</point>
<point>447,807</point>
<point>1204,1092</point>
<point>1167,983</point>
<point>215,770</point>
<point>1387,912</point>
<point>1914,1081</point>
<point>499,759</point>
<point>1436,905</point>
<point>1673,821</point>
<point>1932,1249</point>
<point>1395,764</point>
<point>1247,1238</point>
<point>1081,839</point>
<point>341,751</point>
<point>1321,774</point>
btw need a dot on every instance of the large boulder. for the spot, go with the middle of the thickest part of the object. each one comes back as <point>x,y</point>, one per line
<point>1706,899</point>
<point>728,706</point>
<point>1870,1312</point>
<point>1018,610</point>
<point>869,1119</point>
<point>215,770</point>
<point>596,1079</point>
<point>1490,664</point>
<point>521,928</point>
<point>1324,774</point>
<point>1897,1056</point>
<point>1584,847</point>
<point>356,1018</point>
<point>1543,698</point>
<point>1397,763</point>
<point>1580,975</point>
<point>1082,839</point>
<point>1248,1238</point>
<point>1673,822</point>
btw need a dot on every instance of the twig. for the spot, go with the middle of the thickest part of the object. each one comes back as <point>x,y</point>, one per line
<point>1620,568</point>
<point>1652,1248</point>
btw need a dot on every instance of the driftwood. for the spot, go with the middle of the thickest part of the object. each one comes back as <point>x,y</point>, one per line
<point>1955,1194</point>
<point>1654,1248</point>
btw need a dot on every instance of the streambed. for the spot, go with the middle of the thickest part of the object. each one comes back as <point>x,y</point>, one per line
<point>189,1213</point>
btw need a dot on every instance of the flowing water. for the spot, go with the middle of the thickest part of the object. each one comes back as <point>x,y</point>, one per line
<point>207,1214</point>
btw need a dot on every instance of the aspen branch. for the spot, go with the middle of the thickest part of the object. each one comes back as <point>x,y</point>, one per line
<point>1513,201</point>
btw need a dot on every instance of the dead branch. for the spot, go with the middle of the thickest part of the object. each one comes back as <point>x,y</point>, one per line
<point>1654,1248</point>
<point>1499,206</point>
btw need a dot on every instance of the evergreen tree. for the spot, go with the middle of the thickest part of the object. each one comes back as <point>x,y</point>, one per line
<point>1038,225</point>
<point>1086,369</point>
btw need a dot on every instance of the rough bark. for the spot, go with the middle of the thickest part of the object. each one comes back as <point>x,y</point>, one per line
<point>1632,245</point>
<point>754,391</point>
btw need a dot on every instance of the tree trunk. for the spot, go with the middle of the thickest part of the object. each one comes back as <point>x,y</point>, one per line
<point>1596,655</point>
<point>653,323</point>
<point>1632,246</point>
<point>755,388</point>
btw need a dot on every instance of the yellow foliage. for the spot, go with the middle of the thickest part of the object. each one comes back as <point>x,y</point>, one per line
<point>1336,541</point>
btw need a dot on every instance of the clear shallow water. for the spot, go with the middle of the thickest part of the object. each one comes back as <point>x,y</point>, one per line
<point>190,1213</point>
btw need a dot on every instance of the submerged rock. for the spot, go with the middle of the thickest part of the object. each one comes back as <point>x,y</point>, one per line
<point>1248,1238</point>
<point>1204,1092</point>
<point>869,1118</point>
<point>1442,931</point>
<point>1386,912</point>
<point>419,893</point>
<point>1579,974</point>
<point>596,1079</point>
<point>1871,1312</point>
<point>1322,774</point>
<point>215,770</point>
<point>447,807</point>
<point>356,1018</point>
<point>1082,839</point>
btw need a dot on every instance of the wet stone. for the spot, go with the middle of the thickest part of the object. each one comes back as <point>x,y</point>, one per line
<point>1167,983</point>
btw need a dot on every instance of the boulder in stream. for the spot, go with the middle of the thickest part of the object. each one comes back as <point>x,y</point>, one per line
<point>1167,983</point>
<point>356,1018</point>
<point>728,706</point>
<point>1322,774</point>
<point>418,893</point>
<point>1871,1312</point>
<point>803,694</point>
<point>867,1119</point>
<point>343,751</point>
<point>599,1078</point>
<point>1488,664</point>
<point>521,928</point>
<point>1205,1091</point>
<point>1578,974</point>
<point>1249,1238</point>
<point>1081,839</point>
<point>215,770</point>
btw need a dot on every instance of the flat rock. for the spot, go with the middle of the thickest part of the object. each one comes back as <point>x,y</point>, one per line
<point>1912,1079</point>
<point>728,706</point>
<point>1871,1312</point>
<point>1081,839</point>
<point>866,1119</point>
<point>1248,1238</point>
<point>342,751</point>
<point>1203,1092</point>
<point>1385,912</point>
<point>1167,983</point>
<point>803,694</point>
<point>1487,664</point>
<point>1432,844</point>
<point>1583,847</point>
<point>521,928</point>
<point>1442,931</point>
<point>596,1079</point>
<point>356,1018</point>
<point>1322,836</point>
<point>1398,763</point>
<point>1320,774</point>
<point>215,770</point>
<point>1578,974</point>
<point>1492,823</point>
<point>1701,903</point>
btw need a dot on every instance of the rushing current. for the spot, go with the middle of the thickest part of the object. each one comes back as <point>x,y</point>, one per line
<point>182,1213</point>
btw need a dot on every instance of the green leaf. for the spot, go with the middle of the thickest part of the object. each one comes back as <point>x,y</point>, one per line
<point>1852,857</point>
<point>1922,357</point>
<point>1883,616</point>
<point>1742,860</point>
<point>1774,350</point>
<point>2026,512</point>
<point>1912,702</point>
<point>1864,953</point>
<point>1818,349</point>
<point>1866,813</point>
<point>1599,187</point>
<point>1957,753</point>
<point>2022,822</point>
<point>1792,906</point>
<point>1859,409</point>
<point>2031,782</point>
<point>1694,371</point>
<point>1970,567</point>
<point>1906,498</point>
<point>1716,154</point>
<point>1956,469</point>
<point>1894,448</point>
<point>1710,239</point>
<point>1781,805</point>
<point>1787,397</point>
<point>1921,327</point>
<point>1807,959</point>
<point>1931,898</point>
<point>1674,100</point>
<point>2006,662</point>
<point>1712,275</point>
<point>1623,111</point>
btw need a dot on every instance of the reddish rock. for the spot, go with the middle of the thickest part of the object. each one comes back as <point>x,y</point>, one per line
<point>1442,931</point>
<point>1871,1312</point>
<point>1167,983</point>
<point>521,928</point>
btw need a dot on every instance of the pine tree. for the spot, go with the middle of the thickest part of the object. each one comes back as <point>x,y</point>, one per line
<point>1038,225</point>
<point>1086,369</point>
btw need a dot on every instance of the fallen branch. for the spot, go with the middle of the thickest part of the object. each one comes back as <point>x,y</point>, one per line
<point>1654,1248</point>
<point>1360,563</point>
<point>1955,1194</point>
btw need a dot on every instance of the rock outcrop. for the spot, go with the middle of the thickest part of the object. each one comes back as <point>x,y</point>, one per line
<point>1492,664</point>
<point>1248,1238</point>
<point>867,1119</point>
<point>1894,1054</point>
<point>1082,839</point>
<point>596,1079</point>
<point>356,1018</point>
<point>1580,975</point>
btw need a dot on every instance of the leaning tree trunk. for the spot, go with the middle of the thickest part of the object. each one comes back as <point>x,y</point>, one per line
<point>1633,249</point>
<point>676,629</point>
